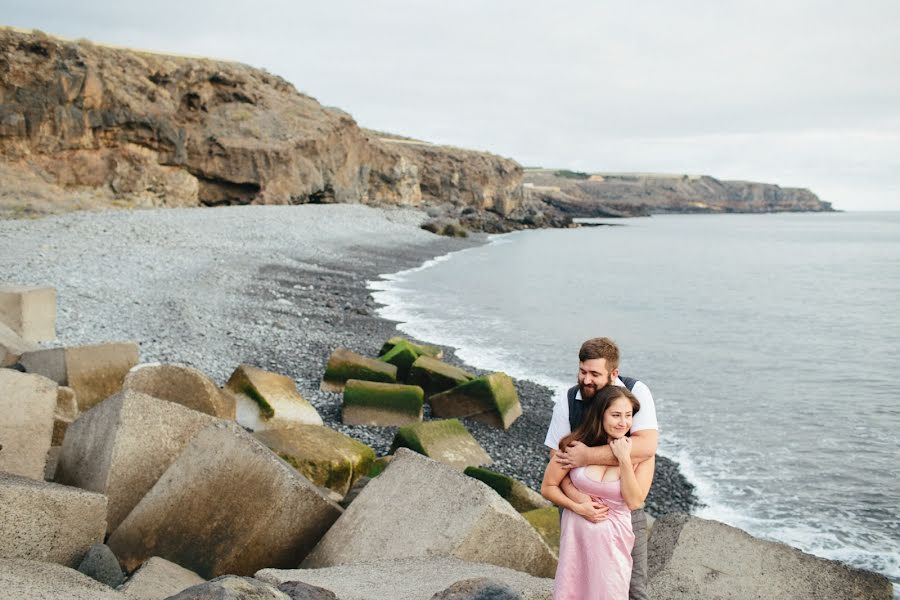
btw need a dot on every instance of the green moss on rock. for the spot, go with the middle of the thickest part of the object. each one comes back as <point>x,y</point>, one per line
<point>344,364</point>
<point>492,399</point>
<point>500,483</point>
<point>546,523</point>
<point>402,356</point>
<point>421,349</point>
<point>435,376</point>
<point>447,441</point>
<point>381,404</point>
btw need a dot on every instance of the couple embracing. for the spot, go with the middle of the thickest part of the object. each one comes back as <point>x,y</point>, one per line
<point>602,439</point>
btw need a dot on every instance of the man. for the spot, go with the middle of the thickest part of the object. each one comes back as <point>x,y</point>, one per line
<point>598,366</point>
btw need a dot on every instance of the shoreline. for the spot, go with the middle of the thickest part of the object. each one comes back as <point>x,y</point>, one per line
<point>277,287</point>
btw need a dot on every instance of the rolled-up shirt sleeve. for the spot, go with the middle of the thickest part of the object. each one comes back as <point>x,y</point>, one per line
<point>559,423</point>
<point>646,416</point>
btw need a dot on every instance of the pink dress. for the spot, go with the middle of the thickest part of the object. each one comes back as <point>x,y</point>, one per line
<point>595,558</point>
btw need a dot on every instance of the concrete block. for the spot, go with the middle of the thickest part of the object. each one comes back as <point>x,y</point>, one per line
<point>30,311</point>
<point>183,385</point>
<point>690,557</point>
<point>12,346</point>
<point>48,522</point>
<point>422,508</point>
<point>27,403</point>
<point>158,579</point>
<point>408,578</point>
<point>267,400</point>
<point>123,445</point>
<point>227,504</point>
<point>447,441</point>
<point>34,580</point>
<point>49,362</point>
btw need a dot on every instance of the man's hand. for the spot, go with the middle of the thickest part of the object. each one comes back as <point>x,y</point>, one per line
<point>593,510</point>
<point>575,455</point>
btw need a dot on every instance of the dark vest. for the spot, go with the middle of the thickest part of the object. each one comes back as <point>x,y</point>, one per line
<point>577,408</point>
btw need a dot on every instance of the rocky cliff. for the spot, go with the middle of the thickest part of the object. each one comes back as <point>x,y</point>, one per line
<point>604,195</point>
<point>85,125</point>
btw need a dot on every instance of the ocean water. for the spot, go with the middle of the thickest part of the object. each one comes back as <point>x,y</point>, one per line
<point>771,344</point>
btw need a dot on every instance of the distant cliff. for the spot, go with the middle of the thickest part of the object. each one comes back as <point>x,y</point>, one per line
<point>84,125</point>
<point>603,195</point>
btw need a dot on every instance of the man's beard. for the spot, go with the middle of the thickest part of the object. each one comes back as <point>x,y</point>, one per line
<point>587,391</point>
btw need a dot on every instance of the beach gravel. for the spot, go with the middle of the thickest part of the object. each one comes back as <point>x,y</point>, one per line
<point>276,287</point>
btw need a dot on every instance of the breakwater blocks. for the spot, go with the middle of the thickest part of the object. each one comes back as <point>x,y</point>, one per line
<point>422,508</point>
<point>27,406</point>
<point>29,311</point>
<point>159,578</point>
<point>381,404</point>
<point>696,558</point>
<point>48,522</point>
<point>34,580</point>
<point>491,399</point>
<point>183,385</point>
<point>227,505</point>
<point>344,364</point>
<point>267,400</point>
<point>447,441</point>
<point>123,445</point>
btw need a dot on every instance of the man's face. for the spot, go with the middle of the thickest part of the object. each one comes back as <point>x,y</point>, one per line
<point>593,375</point>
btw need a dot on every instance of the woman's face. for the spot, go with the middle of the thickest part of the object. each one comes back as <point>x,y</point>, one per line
<point>617,418</point>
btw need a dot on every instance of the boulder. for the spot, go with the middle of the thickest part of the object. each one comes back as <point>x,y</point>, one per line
<point>48,522</point>
<point>65,414</point>
<point>421,508</point>
<point>227,504</point>
<point>101,565</point>
<point>324,456</point>
<point>408,578</point>
<point>183,385</point>
<point>12,346</point>
<point>35,580</point>
<point>123,445</point>
<point>447,441</point>
<point>27,403</point>
<point>95,372</point>
<point>381,404</point>
<point>297,590</point>
<point>267,400</point>
<point>522,497</point>
<point>52,462</point>
<point>435,376</point>
<point>421,349</point>
<point>478,588</point>
<point>546,522</point>
<point>344,364</point>
<point>30,311</point>
<point>158,579</point>
<point>690,557</point>
<point>402,356</point>
<point>491,399</point>
<point>231,587</point>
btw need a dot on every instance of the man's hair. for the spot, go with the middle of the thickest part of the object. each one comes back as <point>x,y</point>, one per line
<point>601,347</point>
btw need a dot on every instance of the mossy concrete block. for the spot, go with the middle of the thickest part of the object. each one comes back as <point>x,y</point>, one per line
<point>381,463</point>
<point>402,356</point>
<point>447,441</point>
<point>158,579</point>
<point>435,376</point>
<point>183,385</point>
<point>381,404</point>
<point>326,457</point>
<point>690,557</point>
<point>48,522</point>
<point>343,364</point>
<point>546,522</point>
<point>123,445</point>
<point>12,346</point>
<point>421,349</point>
<point>422,508</point>
<point>27,404</point>
<point>408,578</point>
<point>36,580</point>
<point>519,495</point>
<point>30,311</point>
<point>267,400</point>
<point>226,505</point>
<point>491,399</point>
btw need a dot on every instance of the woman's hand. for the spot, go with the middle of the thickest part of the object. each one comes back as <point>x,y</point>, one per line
<point>621,449</point>
<point>592,510</point>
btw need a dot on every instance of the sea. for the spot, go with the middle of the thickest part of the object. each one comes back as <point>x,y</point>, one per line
<point>771,344</point>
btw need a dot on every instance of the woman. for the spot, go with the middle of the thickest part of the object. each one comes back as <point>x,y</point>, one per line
<point>594,554</point>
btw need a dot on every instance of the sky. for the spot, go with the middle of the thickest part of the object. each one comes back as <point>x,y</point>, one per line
<point>797,93</point>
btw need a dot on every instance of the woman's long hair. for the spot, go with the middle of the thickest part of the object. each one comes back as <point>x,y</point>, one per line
<point>591,432</point>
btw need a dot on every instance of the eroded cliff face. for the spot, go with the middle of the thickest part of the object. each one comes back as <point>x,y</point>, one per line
<point>604,195</point>
<point>145,129</point>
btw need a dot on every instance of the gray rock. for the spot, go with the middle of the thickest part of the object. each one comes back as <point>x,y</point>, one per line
<point>696,558</point>
<point>408,578</point>
<point>33,580</point>
<point>398,515</point>
<point>479,588</point>
<point>101,564</point>
<point>297,590</point>
<point>231,587</point>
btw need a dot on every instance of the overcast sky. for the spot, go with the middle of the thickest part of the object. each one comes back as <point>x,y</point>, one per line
<point>798,93</point>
